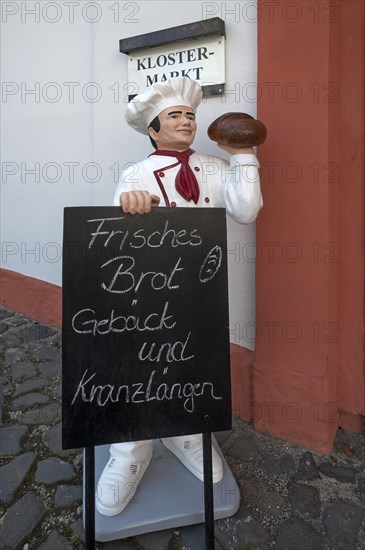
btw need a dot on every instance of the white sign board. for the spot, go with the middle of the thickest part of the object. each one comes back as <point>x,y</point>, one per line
<point>202,60</point>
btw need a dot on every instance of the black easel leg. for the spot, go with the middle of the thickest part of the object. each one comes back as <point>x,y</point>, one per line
<point>208,491</point>
<point>89,498</point>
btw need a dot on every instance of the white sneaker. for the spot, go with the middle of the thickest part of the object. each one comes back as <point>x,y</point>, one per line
<point>189,450</point>
<point>119,481</point>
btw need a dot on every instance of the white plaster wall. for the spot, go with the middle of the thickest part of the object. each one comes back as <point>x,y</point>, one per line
<point>81,130</point>
<point>37,131</point>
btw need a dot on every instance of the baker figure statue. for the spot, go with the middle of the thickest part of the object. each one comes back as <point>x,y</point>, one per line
<point>174,175</point>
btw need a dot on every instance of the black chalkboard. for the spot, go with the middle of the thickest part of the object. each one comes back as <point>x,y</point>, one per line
<point>145,324</point>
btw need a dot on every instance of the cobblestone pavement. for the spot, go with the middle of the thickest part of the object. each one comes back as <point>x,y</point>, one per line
<point>291,498</point>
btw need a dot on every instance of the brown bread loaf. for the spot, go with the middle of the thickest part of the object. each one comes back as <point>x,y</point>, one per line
<point>237,130</point>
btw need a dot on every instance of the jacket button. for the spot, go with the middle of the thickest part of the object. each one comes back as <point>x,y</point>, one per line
<point>197,169</point>
<point>161,174</point>
<point>173,204</point>
<point>207,199</point>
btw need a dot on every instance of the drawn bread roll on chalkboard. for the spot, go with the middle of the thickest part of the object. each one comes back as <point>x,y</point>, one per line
<point>237,130</point>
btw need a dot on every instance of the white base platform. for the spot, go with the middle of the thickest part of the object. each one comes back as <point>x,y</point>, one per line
<point>168,496</point>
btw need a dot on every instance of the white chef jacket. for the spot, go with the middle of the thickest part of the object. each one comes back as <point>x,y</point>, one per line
<point>233,185</point>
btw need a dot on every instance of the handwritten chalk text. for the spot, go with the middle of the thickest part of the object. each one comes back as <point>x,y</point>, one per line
<point>139,238</point>
<point>142,392</point>
<point>173,352</point>
<point>120,323</point>
<point>128,281</point>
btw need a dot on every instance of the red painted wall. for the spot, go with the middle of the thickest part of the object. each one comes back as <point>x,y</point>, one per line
<point>350,148</point>
<point>35,298</point>
<point>304,367</point>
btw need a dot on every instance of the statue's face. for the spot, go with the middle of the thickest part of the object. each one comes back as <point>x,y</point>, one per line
<point>178,128</point>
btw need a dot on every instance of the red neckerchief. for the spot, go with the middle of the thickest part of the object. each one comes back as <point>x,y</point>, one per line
<point>186,183</point>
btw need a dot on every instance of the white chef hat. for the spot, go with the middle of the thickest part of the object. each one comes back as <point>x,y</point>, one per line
<point>161,95</point>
